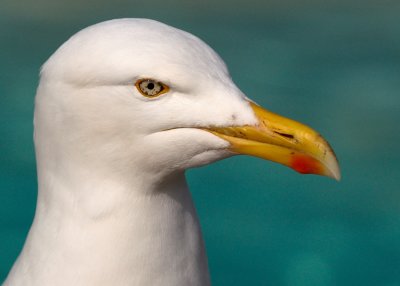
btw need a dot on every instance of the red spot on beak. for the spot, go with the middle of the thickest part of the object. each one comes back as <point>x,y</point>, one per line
<point>306,165</point>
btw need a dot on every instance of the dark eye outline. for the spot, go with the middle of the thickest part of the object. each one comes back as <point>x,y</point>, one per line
<point>164,87</point>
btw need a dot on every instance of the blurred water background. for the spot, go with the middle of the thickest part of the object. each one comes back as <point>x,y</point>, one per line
<point>334,65</point>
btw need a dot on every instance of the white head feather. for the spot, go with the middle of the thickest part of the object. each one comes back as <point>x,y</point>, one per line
<point>113,206</point>
<point>87,101</point>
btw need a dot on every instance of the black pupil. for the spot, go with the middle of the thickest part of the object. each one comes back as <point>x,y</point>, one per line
<point>150,85</point>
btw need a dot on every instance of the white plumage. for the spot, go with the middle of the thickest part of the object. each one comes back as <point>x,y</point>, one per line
<point>113,205</point>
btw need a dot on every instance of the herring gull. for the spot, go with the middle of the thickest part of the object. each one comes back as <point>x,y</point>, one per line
<point>123,108</point>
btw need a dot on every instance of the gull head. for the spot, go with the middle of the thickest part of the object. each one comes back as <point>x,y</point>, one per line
<point>136,96</point>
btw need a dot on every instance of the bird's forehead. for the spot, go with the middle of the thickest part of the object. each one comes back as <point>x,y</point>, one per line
<point>132,47</point>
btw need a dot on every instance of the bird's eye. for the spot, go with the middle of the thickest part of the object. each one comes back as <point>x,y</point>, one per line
<point>151,87</point>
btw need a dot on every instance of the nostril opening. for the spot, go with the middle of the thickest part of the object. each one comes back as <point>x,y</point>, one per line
<point>289,136</point>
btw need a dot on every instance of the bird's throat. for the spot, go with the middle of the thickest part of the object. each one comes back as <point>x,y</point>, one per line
<point>143,237</point>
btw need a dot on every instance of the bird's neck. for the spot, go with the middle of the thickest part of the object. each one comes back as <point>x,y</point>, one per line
<point>104,233</point>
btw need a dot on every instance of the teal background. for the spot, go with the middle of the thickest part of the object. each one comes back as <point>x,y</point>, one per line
<point>334,65</point>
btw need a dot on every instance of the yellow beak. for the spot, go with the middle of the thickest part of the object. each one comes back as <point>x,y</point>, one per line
<point>284,141</point>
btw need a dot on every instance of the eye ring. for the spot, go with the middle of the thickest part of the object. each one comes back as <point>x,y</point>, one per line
<point>151,88</point>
